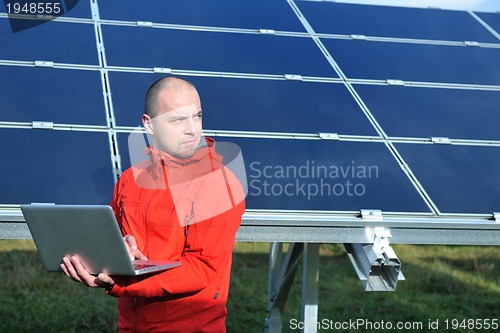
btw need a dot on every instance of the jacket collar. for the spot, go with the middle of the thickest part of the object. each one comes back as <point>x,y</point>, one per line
<point>206,147</point>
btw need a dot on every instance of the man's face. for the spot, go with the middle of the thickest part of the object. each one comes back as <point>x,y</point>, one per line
<point>176,129</point>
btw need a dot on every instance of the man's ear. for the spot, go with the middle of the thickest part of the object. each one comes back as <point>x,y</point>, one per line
<point>148,124</point>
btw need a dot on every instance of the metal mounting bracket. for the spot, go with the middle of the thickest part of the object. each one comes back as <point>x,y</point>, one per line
<point>376,264</point>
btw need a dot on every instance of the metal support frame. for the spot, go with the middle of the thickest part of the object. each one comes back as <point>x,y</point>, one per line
<point>282,271</point>
<point>281,274</point>
<point>310,278</point>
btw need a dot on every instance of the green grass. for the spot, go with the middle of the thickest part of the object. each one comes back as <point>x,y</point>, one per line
<point>34,300</point>
<point>442,282</point>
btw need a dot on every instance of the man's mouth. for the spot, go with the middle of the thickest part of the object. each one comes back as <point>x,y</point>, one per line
<point>190,142</point>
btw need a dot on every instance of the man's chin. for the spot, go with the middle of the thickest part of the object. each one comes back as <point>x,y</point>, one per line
<point>185,154</point>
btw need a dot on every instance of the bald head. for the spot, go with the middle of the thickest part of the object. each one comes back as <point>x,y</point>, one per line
<point>168,85</point>
<point>173,117</point>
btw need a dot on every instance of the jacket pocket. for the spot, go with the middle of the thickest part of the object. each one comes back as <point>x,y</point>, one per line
<point>134,223</point>
<point>165,237</point>
<point>177,311</point>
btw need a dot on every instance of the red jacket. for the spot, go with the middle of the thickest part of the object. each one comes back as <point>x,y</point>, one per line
<point>187,210</point>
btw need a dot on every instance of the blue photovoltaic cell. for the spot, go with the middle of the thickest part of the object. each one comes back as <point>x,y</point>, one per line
<point>62,167</point>
<point>280,106</point>
<point>128,91</point>
<point>124,149</point>
<point>247,14</point>
<point>459,179</point>
<point>416,62</point>
<point>52,41</point>
<point>214,51</point>
<point>78,8</point>
<point>319,175</point>
<point>252,105</point>
<point>384,21</point>
<point>428,112</point>
<point>48,94</point>
<point>492,19</point>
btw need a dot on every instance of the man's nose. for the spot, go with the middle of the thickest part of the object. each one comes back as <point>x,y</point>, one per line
<point>189,126</point>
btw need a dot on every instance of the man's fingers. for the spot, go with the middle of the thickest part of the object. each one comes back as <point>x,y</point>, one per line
<point>82,273</point>
<point>131,245</point>
<point>73,268</point>
<point>131,242</point>
<point>69,269</point>
<point>104,280</point>
<point>133,251</point>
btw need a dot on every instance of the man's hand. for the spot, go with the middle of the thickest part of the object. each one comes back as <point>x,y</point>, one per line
<point>133,251</point>
<point>73,268</point>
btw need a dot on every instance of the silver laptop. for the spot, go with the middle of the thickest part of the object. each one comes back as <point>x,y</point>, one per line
<point>88,231</point>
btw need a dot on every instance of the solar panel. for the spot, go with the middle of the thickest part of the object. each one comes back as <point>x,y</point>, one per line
<point>245,105</point>
<point>416,62</point>
<point>348,87</point>
<point>65,96</point>
<point>395,22</point>
<point>242,14</point>
<point>213,51</point>
<point>324,175</point>
<point>51,41</point>
<point>460,179</point>
<point>425,112</point>
<point>55,166</point>
<point>492,21</point>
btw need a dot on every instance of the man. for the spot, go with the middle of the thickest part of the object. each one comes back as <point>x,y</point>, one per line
<point>181,204</point>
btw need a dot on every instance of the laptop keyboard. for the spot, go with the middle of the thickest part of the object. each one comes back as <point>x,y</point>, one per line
<point>141,266</point>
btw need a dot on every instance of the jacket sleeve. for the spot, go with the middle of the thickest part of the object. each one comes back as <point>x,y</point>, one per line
<point>208,250</point>
<point>116,200</point>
